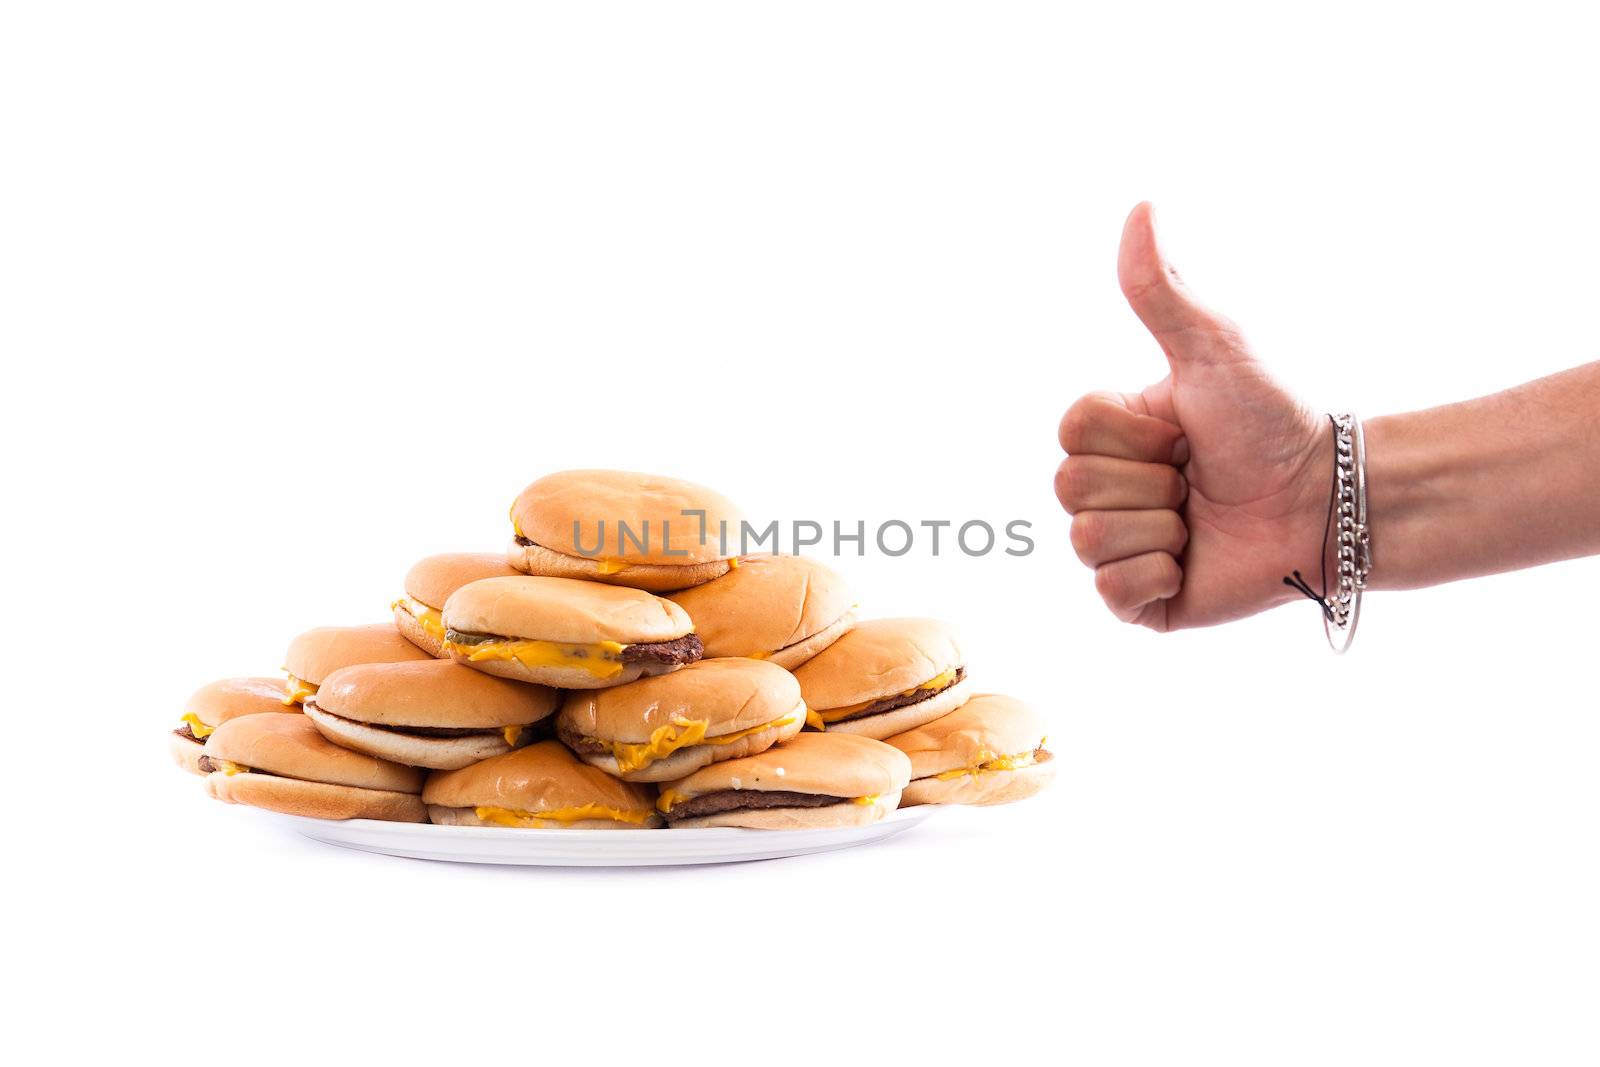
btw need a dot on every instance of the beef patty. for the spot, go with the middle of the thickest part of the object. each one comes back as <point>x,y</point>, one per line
<point>677,652</point>
<point>901,700</point>
<point>187,733</point>
<point>747,800</point>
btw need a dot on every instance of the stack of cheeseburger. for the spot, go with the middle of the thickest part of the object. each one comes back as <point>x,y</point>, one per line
<point>594,677</point>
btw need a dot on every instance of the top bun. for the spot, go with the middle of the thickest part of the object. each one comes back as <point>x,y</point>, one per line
<point>828,764</point>
<point>432,580</point>
<point>878,658</point>
<point>541,777</point>
<point>564,609</point>
<point>986,727</point>
<point>290,746</point>
<point>577,513</point>
<point>432,693</point>
<point>764,604</point>
<point>230,698</point>
<point>317,653</point>
<point>729,694</point>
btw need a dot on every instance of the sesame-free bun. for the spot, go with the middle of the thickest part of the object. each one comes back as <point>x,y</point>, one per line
<point>542,777</point>
<point>317,653</point>
<point>886,724</point>
<point>184,752</point>
<point>768,605</point>
<point>229,698</point>
<point>582,513</point>
<point>876,659</point>
<point>291,746</point>
<point>653,577</point>
<point>729,695</point>
<point>832,816</point>
<point>433,579</point>
<point>412,630</point>
<point>414,750</point>
<point>315,800</point>
<point>432,693</point>
<point>987,727</point>
<point>837,765</point>
<point>564,611</point>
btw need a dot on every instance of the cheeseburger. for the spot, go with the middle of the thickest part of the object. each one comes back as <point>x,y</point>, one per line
<point>990,750</point>
<point>541,787</point>
<point>427,714</point>
<point>429,584</point>
<point>317,653</point>
<point>885,677</point>
<point>214,705</point>
<point>281,762</point>
<point>810,782</point>
<point>780,608</point>
<point>565,633</point>
<point>622,528</point>
<point>658,729</point>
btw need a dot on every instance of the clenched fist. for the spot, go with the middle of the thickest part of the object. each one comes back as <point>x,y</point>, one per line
<point>1193,498</point>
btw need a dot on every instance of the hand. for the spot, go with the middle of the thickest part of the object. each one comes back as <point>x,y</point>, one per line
<point>1194,498</point>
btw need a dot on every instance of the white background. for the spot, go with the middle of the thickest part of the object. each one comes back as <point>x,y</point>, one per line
<point>296,294</point>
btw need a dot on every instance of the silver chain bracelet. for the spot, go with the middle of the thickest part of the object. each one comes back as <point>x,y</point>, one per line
<point>1341,608</point>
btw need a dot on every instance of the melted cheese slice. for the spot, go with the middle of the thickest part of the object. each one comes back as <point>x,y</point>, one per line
<point>228,767</point>
<point>296,691</point>
<point>867,801</point>
<point>430,619</point>
<point>540,820</point>
<point>200,730</point>
<point>513,734</point>
<point>665,740</point>
<point>601,660</point>
<point>989,762</point>
<point>938,681</point>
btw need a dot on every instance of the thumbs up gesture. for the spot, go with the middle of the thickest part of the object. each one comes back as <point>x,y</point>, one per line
<point>1193,498</point>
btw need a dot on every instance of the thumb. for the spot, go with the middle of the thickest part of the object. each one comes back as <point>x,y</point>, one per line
<point>1153,288</point>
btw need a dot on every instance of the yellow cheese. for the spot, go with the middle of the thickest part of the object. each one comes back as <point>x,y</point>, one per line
<point>938,681</point>
<point>198,728</point>
<point>733,563</point>
<point>814,720</point>
<point>667,798</point>
<point>612,566</point>
<point>866,801</point>
<point>988,761</point>
<point>681,733</point>
<point>296,691</point>
<point>561,816</point>
<point>228,767</point>
<point>513,734</point>
<point>601,660</point>
<point>430,619</point>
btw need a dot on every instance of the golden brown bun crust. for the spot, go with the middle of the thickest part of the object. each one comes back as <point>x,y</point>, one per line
<point>438,753</point>
<point>542,777</point>
<point>413,631</point>
<point>989,787</point>
<point>561,677</point>
<point>729,694</point>
<point>652,577</point>
<point>433,579</point>
<point>764,604</point>
<point>185,753</point>
<point>317,653</point>
<point>878,658</point>
<point>290,745</point>
<point>886,724</point>
<point>598,500</point>
<point>564,610</point>
<point>314,800</point>
<point>802,652</point>
<point>825,818</point>
<point>987,726</point>
<point>836,765</point>
<point>230,698</point>
<point>686,761</point>
<point>444,816</point>
<point>432,692</point>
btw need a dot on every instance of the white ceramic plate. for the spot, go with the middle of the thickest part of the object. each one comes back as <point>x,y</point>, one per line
<point>595,848</point>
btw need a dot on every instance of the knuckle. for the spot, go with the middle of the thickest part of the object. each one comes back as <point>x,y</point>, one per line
<point>1112,585</point>
<point>1088,536</point>
<point>1072,483</point>
<point>1074,429</point>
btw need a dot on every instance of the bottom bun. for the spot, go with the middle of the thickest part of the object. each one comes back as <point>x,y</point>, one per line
<point>888,723</point>
<point>413,631</point>
<point>185,753</point>
<point>652,577</point>
<point>986,787</point>
<point>562,677</point>
<point>444,816</point>
<point>435,753</point>
<point>686,761</point>
<point>794,655</point>
<point>314,800</point>
<point>833,816</point>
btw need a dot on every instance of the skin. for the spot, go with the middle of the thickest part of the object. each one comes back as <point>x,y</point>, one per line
<point>1193,498</point>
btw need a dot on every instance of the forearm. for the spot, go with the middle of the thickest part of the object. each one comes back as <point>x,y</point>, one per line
<point>1494,484</point>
